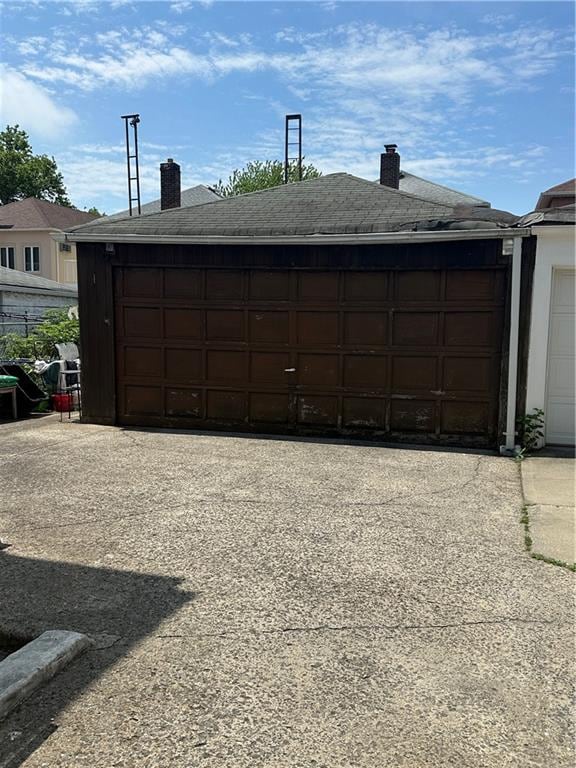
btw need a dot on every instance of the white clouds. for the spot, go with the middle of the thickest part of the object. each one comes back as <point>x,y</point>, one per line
<point>362,57</point>
<point>32,107</point>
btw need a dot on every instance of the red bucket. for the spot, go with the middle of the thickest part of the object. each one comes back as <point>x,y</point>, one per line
<point>62,403</point>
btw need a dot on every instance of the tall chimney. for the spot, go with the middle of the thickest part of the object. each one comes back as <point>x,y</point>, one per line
<point>390,167</point>
<point>169,185</point>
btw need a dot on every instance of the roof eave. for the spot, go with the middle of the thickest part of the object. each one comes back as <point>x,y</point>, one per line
<point>368,237</point>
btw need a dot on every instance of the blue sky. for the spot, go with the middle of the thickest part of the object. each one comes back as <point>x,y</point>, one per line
<point>477,95</point>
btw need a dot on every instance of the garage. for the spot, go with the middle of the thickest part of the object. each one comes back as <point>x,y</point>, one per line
<point>561,424</point>
<point>330,307</point>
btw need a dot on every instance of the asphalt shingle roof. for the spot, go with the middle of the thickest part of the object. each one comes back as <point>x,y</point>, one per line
<point>33,213</point>
<point>13,278</point>
<point>335,204</point>
<point>437,193</point>
<point>197,195</point>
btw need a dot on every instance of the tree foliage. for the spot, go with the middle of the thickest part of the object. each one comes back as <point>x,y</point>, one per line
<point>56,328</point>
<point>94,211</point>
<point>260,174</point>
<point>24,174</point>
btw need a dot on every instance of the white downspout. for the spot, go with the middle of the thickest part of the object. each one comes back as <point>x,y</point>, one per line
<point>510,433</point>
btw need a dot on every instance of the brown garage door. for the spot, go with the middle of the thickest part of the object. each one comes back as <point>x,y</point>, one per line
<point>411,354</point>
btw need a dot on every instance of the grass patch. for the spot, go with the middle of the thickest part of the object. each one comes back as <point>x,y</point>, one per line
<point>525,522</point>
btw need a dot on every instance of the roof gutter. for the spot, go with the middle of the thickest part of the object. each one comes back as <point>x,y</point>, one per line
<point>368,237</point>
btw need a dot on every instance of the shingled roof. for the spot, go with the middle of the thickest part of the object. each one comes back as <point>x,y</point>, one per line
<point>18,282</point>
<point>197,195</point>
<point>335,204</point>
<point>437,193</point>
<point>33,213</point>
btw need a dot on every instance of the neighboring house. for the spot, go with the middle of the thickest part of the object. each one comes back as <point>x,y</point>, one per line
<point>192,196</point>
<point>24,299</point>
<point>334,306</point>
<point>550,381</point>
<point>416,185</point>
<point>26,242</point>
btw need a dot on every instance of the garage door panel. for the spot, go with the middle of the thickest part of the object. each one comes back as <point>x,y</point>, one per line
<point>183,364</point>
<point>415,329</point>
<point>142,283</point>
<point>317,328</point>
<point>270,286</point>
<point>366,371</point>
<point>317,370</point>
<point>225,325</point>
<point>143,361</point>
<point>562,332</point>
<point>185,284</point>
<point>269,407</point>
<point>364,412</point>
<point>414,373</point>
<point>222,405</point>
<point>469,284</point>
<point>472,374</point>
<point>269,367</point>
<point>317,410</point>
<point>224,285</point>
<point>144,322</point>
<point>412,415</point>
<point>393,351</point>
<point>317,287</point>
<point>142,400</point>
<point>268,327</point>
<point>418,286</point>
<point>183,323</point>
<point>184,402</point>
<point>465,417</point>
<point>365,287</point>
<point>226,366</point>
<point>365,328</point>
<point>469,329</point>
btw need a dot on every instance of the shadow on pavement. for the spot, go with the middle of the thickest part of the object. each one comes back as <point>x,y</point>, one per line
<point>116,608</point>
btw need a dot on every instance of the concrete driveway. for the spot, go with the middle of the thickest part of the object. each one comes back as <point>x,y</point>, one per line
<point>281,604</point>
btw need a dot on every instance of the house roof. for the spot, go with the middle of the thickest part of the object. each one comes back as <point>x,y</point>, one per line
<point>335,204</point>
<point>33,213</point>
<point>14,280</point>
<point>566,214</point>
<point>429,190</point>
<point>197,195</point>
<point>565,189</point>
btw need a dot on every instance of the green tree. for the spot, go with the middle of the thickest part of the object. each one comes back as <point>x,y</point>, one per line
<point>262,175</point>
<point>93,210</point>
<point>24,174</point>
<point>40,343</point>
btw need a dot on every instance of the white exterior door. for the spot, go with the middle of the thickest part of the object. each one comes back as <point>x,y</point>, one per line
<point>560,397</point>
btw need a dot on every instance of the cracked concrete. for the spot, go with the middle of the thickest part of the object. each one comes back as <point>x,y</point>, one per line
<point>279,604</point>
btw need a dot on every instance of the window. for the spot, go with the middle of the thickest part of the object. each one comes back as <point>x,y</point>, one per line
<point>7,256</point>
<point>32,258</point>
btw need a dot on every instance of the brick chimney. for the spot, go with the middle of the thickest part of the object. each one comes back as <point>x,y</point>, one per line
<point>169,185</point>
<point>390,167</point>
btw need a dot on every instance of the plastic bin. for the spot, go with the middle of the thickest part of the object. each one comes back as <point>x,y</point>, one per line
<point>63,403</point>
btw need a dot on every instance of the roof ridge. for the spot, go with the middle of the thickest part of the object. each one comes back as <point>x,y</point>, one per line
<point>443,186</point>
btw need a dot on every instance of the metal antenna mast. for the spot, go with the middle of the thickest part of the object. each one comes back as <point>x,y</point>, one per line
<point>132,120</point>
<point>293,126</point>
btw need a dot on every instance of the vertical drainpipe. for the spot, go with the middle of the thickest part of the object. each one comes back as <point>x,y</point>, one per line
<point>510,433</point>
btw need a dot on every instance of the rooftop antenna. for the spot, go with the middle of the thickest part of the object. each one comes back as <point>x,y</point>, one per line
<point>293,126</point>
<point>132,121</point>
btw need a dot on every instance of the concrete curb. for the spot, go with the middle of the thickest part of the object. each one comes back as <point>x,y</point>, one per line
<point>24,670</point>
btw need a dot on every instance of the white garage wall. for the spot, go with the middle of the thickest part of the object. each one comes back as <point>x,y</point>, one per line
<point>555,248</point>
